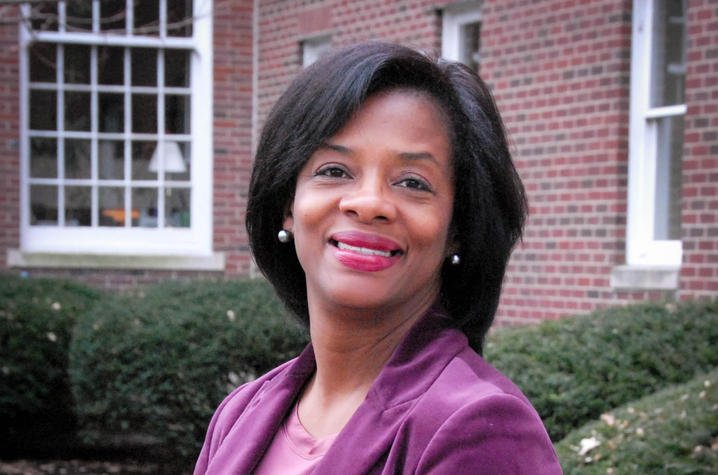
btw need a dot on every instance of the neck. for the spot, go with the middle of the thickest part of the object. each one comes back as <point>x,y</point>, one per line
<point>351,347</point>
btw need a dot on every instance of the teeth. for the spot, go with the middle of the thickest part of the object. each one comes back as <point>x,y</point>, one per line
<point>363,250</point>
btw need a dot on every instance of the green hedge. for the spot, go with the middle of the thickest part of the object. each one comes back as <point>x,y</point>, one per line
<point>575,369</point>
<point>36,320</point>
<point>673,431</point>
<point>151,368</point>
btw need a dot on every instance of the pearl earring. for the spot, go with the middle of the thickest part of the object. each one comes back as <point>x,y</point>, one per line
<point>455,260</point>
<point>284,236</point>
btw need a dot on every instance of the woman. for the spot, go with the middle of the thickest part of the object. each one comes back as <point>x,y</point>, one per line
<point>383,208</point>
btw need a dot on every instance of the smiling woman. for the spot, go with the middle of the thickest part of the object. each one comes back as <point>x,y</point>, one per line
<point>383,208</point>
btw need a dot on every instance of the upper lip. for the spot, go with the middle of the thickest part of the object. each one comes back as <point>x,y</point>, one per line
<point>366,240</point>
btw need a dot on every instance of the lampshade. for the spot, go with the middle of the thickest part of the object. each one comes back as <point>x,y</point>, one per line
<point>171,158</point>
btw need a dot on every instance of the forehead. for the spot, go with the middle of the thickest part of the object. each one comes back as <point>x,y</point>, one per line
<point>410,114</point>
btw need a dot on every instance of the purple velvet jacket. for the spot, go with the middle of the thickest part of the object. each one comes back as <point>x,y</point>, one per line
<point>437,407</point>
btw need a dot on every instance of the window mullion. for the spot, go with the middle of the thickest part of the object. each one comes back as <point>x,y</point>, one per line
<point>160,138</point>
<point>163,19</point>
<point>84,38</point>
<point>96,16</point>
<point>94,129</point>
<point>61,17</point>
<point>60,120</point>
<point>665,111</point>
<point>129,16</point>
<point>127,132</point>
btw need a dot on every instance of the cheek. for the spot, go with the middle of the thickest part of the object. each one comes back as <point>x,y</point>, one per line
<point>307,213</point>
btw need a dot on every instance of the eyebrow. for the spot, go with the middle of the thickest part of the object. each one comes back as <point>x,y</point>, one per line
<point>408,156</point>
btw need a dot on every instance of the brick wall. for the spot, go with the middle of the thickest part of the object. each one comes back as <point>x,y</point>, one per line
<point>560,73</point>
<point>285,23</point>
<point>9,133</point>
<point>699,274</point>
<point>232,130</point>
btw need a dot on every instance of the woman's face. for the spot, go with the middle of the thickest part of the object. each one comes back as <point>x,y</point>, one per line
<point>373,205</point>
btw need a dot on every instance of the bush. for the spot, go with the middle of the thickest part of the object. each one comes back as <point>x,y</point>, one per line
<point>673,431</point>
<point>573,370</point>
<point>151,369</point>
<point>36,320</point>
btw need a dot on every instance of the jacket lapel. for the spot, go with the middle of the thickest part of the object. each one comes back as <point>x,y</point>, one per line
<point>374,427</point>
<point>263,416</point>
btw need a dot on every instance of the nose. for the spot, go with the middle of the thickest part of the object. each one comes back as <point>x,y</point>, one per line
<point>369,202</point>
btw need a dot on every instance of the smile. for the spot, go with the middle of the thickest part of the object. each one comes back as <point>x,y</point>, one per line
<point>365,252</point>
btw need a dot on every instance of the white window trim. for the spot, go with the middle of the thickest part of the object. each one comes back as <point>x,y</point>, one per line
<point>314,47</point>
<point>453,18</point>
<point>641,248</point>
<point>40,245</point>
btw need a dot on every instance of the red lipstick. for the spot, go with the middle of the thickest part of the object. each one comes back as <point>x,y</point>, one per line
<point>365,252</point>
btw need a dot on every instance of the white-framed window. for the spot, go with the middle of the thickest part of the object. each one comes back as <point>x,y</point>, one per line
<point>461,34</point>
<point>656,133</point>
<point>116,134</point>
<point>314,48</point>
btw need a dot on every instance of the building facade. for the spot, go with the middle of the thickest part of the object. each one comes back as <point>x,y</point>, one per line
<point>128,128</point>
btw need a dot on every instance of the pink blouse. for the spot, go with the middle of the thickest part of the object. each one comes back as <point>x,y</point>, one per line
<point>293,451</point>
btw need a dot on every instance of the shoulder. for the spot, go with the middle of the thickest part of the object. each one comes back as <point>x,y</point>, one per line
<point>231,410</point>
<point>473,413</point>
<point>237,401</point>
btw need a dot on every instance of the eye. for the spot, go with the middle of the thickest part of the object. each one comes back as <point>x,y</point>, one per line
<point>332,171</point>
<point>414,184</point>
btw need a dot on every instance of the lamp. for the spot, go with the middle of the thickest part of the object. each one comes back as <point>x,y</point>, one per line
<point>172,159</point>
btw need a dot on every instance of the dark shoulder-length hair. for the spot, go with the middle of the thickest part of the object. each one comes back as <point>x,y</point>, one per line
<point>489,201</point>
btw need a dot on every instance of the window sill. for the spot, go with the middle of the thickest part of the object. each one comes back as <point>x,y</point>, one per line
<point>629,277</point>
<point>212,262</point>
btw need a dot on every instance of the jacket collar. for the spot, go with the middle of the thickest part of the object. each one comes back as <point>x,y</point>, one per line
<point>418,360</point>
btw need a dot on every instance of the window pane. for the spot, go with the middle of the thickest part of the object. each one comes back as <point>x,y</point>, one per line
<point>77,159</point>
<point>470,42</point>
<point>113,15</point>
<point>43,205</point>
<point>111,160</point>
<point>77,64</point>
<point>77,110</point>
<point>144,67</point>
<point>315,48</point>
<point>177,212</point>
<point>147,17</point>
<point>171,158</point>
<point>78,206</point>
<point>179,18</point>
<point>42,62</point>
<point>112,112</point>
<point>141,157</point>
<point>44,16</point>
<point>669,37</point>
<point>43,110</point>
<point>144,201</point>
<point>173,169</point>
<point>669,145</point>
<point>144,113</point>
<point>43,158</point>
<point>112,206</point>
<point>79,15</point>
<point>110,65</point>
<point>177,114</point>
<point>177,68</point>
